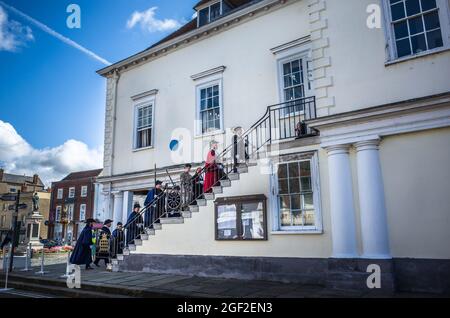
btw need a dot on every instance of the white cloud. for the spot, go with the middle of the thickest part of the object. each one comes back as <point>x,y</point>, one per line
<point>51,164</point>
<point>12,34</point>
<point>147,21</point>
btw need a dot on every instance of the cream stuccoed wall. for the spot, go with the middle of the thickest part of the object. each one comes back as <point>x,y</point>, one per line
<point>196,236</point>
<point>417,186</point>
<point>250,83</point>
<point>359,76</point>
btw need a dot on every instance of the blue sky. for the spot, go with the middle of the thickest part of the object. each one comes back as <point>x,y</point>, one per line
<point>49,91</point>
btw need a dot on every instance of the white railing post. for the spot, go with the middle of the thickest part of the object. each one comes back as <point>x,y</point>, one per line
<point>6,259</point>
<point>67,274</point>
<point>27,258</point>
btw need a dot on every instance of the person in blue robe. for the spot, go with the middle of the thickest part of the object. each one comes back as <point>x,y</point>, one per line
<point>81,254</point>
<point>134,223</point>
<point>154,212</point>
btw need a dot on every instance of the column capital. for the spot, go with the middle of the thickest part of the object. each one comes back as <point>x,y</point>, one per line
<point>371,144</point>
<point>338,149</point>
<point>117,194</point>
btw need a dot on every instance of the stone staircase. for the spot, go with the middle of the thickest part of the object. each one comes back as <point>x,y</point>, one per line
<point>202,204</point>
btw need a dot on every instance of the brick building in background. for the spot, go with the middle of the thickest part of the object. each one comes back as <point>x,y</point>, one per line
<point>72,202</point>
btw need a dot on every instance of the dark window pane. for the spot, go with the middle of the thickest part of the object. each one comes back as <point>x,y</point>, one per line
<point>298,93</point>
<point>287,81</point>
<point>202,104</point>
<point>216,101</point>
<point>286,68</point>
<point>306,184</point>
<point>216,90</point>
<point>295,202</point>
<point>418,43</point>
<point>412,7</point>
<point>305,168</point>
<point>401,30</point>
<point>431,20</point>
<point>284,202</point>
<point>203,16</point>
<point>203,93</point>
<point>398,11</point>
<point>415,25</point>
<point>296,78</point>
<point>215,11</point>
<point>428,4</point>
<point>308,201</point>
<point>282,171</point>
<point>294,185</point>
<point>293,170</point>
<point>296,66</point>
<point>434,39</point>
<point>283,186</point>
<point>403,48</point>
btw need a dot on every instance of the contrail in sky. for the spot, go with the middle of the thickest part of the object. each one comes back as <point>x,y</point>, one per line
<point>57,35</point>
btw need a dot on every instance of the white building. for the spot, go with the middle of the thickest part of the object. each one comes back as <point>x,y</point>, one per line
<point>368,183</point>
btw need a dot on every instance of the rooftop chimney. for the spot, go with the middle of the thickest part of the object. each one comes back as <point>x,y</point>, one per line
<point>1,174</point>
<point>35,179</point>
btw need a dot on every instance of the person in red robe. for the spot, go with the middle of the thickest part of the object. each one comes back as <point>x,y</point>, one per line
<point>211,169</point>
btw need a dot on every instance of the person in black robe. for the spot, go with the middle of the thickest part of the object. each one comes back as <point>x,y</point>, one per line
<point>134,224</point>
<point>197,183</point>
<point>101,254</point>
<point>118,238</point>
<point>81,254</point>
<point>154,212</point>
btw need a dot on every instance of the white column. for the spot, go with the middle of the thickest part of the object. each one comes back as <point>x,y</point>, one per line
<point>341,202</point>
<point>127,205</point>
<point>374,230</point>
<point>118,207</point>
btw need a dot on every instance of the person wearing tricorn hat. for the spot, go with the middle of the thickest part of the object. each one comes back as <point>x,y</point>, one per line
<point>103,243</point>
<point>157,208</point>
<point>134,224</point>
<point>81,254</point>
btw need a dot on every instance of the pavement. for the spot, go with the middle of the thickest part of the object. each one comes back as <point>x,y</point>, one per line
<point>102,283</point>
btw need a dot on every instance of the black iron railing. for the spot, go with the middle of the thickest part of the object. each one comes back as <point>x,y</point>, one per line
<point>281,121</point>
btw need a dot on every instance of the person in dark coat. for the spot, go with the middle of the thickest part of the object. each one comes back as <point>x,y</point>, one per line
<point>133,225</point>
<point>81,254</point>
<point>103,252</point>
<point>153,213</point>
<point>118,238</point>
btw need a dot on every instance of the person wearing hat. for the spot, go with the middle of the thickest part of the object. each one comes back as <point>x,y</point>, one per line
<point>81,254</point>
<point>103,247</point>
<point>157,209</point>
<point>134,224</point>
<point>118,239</point>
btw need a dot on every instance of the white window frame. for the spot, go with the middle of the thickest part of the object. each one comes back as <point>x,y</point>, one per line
<point>82,209</point>
<point>144,102</point>
<point>302,52</point>
<point>274,201</point>
<point>199,87</point>
<point>444,20</point>
<point>84,191</point>
<point>60,193</point>
<point>208,6</point>
<point>70,212</point>
<point>58,213</point>
<point>72,191</point>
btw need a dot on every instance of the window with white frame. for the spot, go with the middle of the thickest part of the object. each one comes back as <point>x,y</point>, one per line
<point>84,190</point>
<point>297,194</point>
<point>82,212</point>
<point>144,125</point>
<point>294,79</point>
<point>70,208</point>
<point>59,196</point>
<point>210,13</point>
<point>58,214</point>
<point>210,107</point>
<point>3,221</point>
<point>72,192</point>
<point>417,26</point>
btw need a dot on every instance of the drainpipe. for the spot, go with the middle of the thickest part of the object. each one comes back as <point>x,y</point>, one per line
<point>116,77</point>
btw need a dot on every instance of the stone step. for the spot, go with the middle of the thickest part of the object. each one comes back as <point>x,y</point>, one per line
<point>120,257</point>
<point>115,268</point>
<point>131,247</point>
<point>201,202</point>
<point>115,262</point>
<point>187,214</point>
<point>193,208</point>
<point>138,242</point>
<point>252,164</point>
<point>174,220</point>
<point>150,231</point>
<point>144,237</point>
<point>217,189</point>
<point>242,169</point>
<point>225,183</point>
<point>209,196</point>
<point>157,226</point>
<point>233,176</point>
<point>126,251</point>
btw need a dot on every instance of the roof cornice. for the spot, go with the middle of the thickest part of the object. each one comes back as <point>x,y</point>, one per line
<point>193,36</point>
